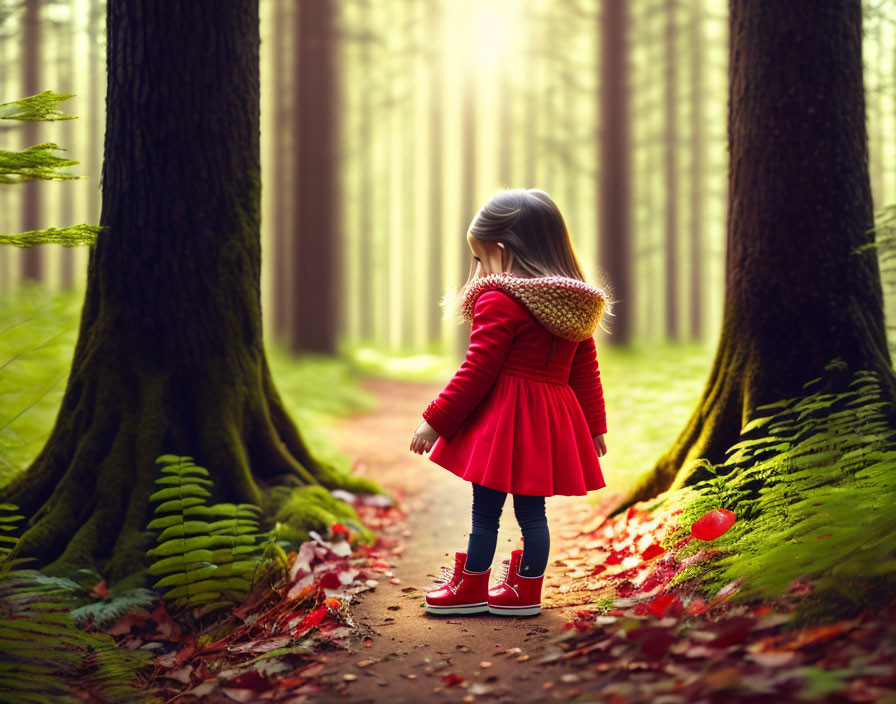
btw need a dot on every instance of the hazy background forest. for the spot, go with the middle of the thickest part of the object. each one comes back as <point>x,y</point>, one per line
<point>174,362</point>
<point>434,105</point>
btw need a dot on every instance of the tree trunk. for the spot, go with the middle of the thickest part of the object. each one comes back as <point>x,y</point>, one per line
<point>435,280</point>
<point>65,58</point>
<point>315,231</point>
<point>170,356</point>
<point>615,166</point>
<point>795,296</point>
<point>367,220</point>
<point>32,264</point>
<point>696,294</point>
<point>283,299</point>
<point>670,139</point>
<point>96,96</point>
<point>468,207</point>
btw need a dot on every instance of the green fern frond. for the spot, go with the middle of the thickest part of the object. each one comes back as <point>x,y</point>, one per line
<point>103,614</point>
<point>35,162</point>
<point>39,107</point>
<point>206,563</point>
<point>810,485</point>
<point>45,657</point>
<point>72,236</point>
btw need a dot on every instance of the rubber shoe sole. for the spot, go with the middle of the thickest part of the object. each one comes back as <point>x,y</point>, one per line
<point>465,609</point>
<point>515,610</point>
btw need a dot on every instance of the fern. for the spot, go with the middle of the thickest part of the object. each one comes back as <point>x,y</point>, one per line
<point>102,614</point>
<point>44,657</point>
<point>207,556</point>
<point>38,162</point>
<point>811,480</point>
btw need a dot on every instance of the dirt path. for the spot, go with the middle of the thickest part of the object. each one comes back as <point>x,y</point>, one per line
<point>413,651</point>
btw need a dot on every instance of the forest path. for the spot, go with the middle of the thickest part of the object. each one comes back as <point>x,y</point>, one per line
<point>413,650</point>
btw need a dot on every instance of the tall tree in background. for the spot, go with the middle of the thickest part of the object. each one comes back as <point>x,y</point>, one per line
<point>32,258</point>
<point>435,52</point>
<point>315,244</point>
<point>614,194</point>
<point>670,139</point>
<point>796,295</point>
<point>96,95</point>
<point>366,218</point>
<point>468,207</point>
<point>281,148</point>
<point>65,47</point>
<point>170,356</point>
<point>696,292</point>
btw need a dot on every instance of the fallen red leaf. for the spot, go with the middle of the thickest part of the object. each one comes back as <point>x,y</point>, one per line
<point>712,524</point>
<point>652,551</point>
<point>100,589</point>
<point>452,679</point>
<point>654,640</point>
<point>251,680</point>
<point>662,602</point>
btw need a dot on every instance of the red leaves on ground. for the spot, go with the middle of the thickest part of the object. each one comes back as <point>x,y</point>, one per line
<point>709,649</point>
<point>290,622</point>
<point>452,679</point>
<point>653,640</point>
<point>652,551</point>
<point>712,524</point>
<point>659,605</point>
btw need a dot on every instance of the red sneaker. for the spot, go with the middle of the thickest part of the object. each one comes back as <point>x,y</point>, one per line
<point>516,595</point>
<point>460,592</point>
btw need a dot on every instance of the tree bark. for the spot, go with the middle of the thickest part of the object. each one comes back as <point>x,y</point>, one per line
<point>435,280</point>
<point>670,139</point>
<point>32,264</point>
<point>696,294</point>
<point>65,39</point>
<point>615,166</point>
<point>283,298</point>
<point>800,202</point>
<point>170,356</point>
<point>315,227</point>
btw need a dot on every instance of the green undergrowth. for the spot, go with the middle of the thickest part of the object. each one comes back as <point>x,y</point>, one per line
<point>212,556</point>
<point>46,654</point>
<point>811,481</point>
<point>38,332</point>
<point>206,556</point>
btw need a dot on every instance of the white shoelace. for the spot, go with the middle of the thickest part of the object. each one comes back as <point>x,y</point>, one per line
<point>505,566</point>
<point>446,576</point>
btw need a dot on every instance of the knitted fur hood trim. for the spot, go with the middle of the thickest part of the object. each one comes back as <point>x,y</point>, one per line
<point>566,307</point>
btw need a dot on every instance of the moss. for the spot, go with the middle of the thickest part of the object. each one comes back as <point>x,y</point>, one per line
<point>333,478</point>
<point>301,509</point>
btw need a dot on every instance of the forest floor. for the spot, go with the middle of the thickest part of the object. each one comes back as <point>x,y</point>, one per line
<point>641,645</point>
<point>413,650</point>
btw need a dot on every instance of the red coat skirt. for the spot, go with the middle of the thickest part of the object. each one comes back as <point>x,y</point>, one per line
<point>520,413</point>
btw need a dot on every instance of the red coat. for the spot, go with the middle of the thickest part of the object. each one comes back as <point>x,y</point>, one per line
<point>520,413</point>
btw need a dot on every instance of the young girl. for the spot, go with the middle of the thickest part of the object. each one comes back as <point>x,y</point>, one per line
<point>524,414</point>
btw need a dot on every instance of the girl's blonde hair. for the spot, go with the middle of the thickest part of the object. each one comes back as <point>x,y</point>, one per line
<point>532,229</point>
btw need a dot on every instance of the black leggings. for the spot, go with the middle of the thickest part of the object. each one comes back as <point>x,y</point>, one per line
<point>487,506</point>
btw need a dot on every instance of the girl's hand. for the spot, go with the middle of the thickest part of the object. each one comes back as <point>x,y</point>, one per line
<point>423,439</point>
<point>600,445</point>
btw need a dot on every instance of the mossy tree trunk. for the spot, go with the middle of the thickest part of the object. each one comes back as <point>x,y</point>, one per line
<point>170,356</point>
<point>796,296</point>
